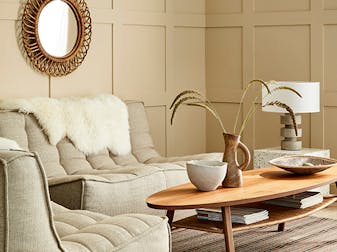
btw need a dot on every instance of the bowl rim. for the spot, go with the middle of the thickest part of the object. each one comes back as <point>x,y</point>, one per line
<point>332,160</point>
<point>220,164</point>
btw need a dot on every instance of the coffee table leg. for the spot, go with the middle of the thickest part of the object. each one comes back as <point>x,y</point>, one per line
<point>170,215</point>
<point>281,227</point>
<point>227,228</point>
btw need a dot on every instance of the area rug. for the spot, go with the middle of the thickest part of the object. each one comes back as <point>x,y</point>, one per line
<point>307,234</point>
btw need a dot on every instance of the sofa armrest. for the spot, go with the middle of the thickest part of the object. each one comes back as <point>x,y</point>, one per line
<point>203,156</point>
<point>26,217</point>
<point>68,190</point>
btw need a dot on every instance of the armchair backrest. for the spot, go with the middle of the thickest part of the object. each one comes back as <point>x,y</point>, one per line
<point>25,214</point>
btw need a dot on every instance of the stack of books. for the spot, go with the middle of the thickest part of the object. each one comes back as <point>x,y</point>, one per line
<point>242,215</point>
<point>301,200</point>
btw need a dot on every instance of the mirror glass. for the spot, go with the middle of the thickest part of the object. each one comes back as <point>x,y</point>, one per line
<point>57,28</point>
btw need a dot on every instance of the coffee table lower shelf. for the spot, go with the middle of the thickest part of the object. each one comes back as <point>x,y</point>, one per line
<point>277,215</point>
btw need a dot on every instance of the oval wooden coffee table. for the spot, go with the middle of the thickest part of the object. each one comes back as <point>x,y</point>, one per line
<point>259,185</point>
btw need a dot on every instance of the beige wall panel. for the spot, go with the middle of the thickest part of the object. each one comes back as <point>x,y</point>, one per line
<point>94,76</point>
<point>17,78</point>
<point>142,62</point>
<point>330,4</point>
<point>282,52</point>
<point>267,129</point>
<point>223,6</point>
<point>188,132</point>
<point>224,57</point>
<point>99,4</point>
<point>330,132</point>
<point>132,42</point>
<point>157,121</point>
<point>189,6</point>
<point>143,5</point>
<point>330,57</point>
<point>214,137</point>
<point>284,5</point>
<point>189,59</point>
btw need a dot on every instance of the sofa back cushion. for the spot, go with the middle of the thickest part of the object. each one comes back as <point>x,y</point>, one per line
<point>141,140</point>
<point>64,158</point>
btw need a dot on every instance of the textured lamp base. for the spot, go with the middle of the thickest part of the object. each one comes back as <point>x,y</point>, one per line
<point>291,141</point>
<point>291,145</point>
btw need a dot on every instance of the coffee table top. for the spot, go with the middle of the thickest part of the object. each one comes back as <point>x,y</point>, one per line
<point>258,185</point>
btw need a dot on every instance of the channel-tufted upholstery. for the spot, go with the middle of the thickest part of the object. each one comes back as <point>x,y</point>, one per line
<point>102,182</point>
<point>28,222</point>
<point>90,231</point>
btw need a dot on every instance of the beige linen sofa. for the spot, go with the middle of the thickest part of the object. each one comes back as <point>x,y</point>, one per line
<point>29,222</point>
<point>102,182</point>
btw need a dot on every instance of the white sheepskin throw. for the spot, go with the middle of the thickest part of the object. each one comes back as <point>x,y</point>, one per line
<point>91,123</point>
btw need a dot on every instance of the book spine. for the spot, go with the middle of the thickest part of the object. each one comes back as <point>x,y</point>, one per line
<point>210,218</point>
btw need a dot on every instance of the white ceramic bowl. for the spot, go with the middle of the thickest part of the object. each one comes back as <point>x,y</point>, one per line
<point>206,175</point>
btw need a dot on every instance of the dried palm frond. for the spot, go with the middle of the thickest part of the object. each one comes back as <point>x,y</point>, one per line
<point>211,110</point>
<point>286,88</point>
<point>180,102</point>
<point>261,82</point>
<point>286,107</point>
<point>199,98</point>
<point>186,92</point>
<point>250,114</point>
<point>252,109</point>
<point>257,81</point>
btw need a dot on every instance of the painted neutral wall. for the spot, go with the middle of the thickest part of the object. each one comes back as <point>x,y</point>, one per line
<point>151,49</point>
<point>271,40</point>
<point>141,49</point>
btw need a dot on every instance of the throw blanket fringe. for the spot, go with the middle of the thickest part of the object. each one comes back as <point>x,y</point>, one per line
<point>91,123</point>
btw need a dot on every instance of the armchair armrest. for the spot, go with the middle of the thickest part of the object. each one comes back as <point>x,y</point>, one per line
<point>25,213</point>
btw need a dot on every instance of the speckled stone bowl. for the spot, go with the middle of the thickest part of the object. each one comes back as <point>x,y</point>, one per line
<point>303,165</point>
<point>206,175</point>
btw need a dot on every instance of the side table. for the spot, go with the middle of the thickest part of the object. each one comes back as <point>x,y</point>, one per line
<point>262,156</point>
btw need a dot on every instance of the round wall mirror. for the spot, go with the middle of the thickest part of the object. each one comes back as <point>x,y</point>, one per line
<point>57,28</point>
<point>56,34</point>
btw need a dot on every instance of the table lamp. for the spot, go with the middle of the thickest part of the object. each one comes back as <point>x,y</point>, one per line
<point>309,103</point>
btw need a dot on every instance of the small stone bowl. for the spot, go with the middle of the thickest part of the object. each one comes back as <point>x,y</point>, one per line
<point>206,175</point>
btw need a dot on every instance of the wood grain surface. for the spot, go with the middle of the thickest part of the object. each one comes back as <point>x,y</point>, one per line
<point>259,185</point>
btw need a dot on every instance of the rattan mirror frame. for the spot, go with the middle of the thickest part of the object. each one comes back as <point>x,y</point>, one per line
<point>40,59</point>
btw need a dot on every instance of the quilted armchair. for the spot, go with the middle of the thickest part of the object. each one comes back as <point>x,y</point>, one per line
<point>30,222</point>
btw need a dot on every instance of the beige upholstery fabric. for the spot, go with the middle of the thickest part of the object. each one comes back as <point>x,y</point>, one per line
<point>102,182</point>
<point>25,217</point>
<point>141,140</point>
<point>87,231</point>
<point>27,222</point>
<point>116,191</point>
<point>12,126</point>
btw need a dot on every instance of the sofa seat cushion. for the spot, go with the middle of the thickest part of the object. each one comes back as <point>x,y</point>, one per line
<point>118,190</point>
<point>81,230</point>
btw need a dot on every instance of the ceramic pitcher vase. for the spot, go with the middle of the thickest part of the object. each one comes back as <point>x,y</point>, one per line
<point>234,169</point>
